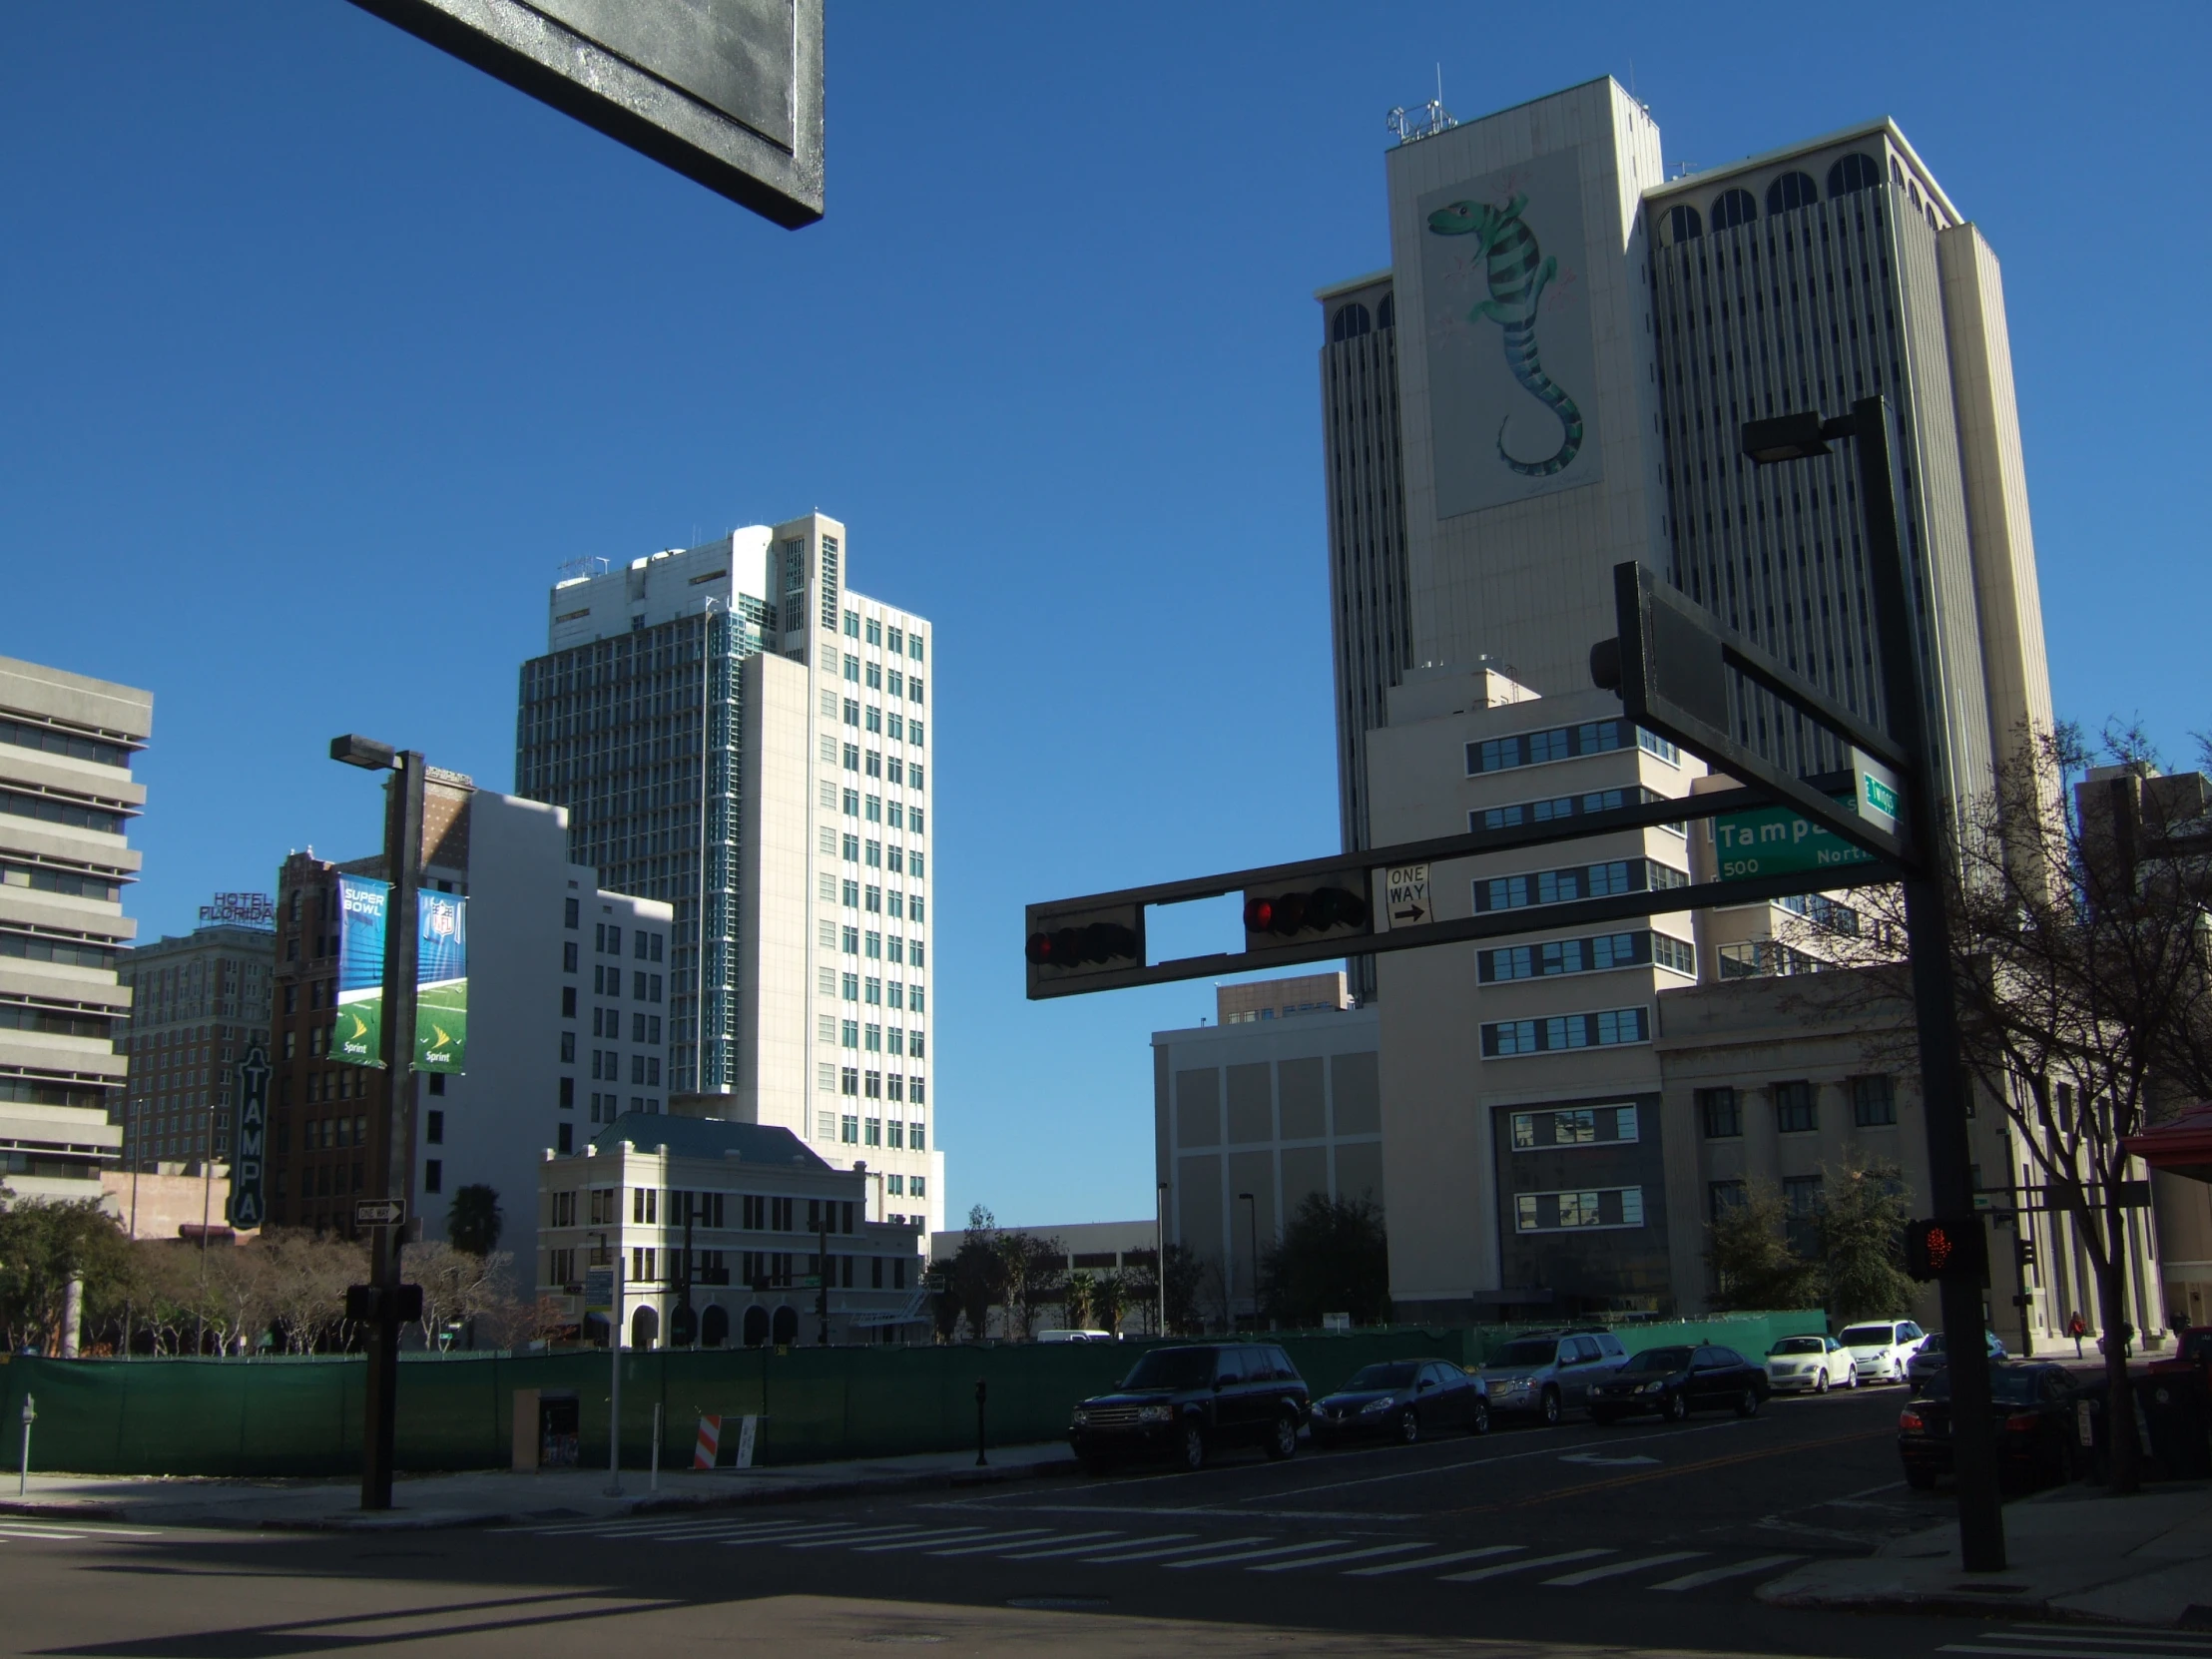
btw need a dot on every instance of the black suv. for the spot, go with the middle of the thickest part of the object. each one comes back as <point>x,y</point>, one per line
<point>1182,1402</point>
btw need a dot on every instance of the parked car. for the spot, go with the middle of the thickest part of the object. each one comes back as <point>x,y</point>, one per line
<point>1931,1356</point>
<point>1819,1364</point>
<point>1882,1349</point>
<point>1066,1333</point>
<point>1184,1402</point>
<point>1544,1375</point>
<point>2034,1406</point>
<point>1404,1399</point>
<point>2193,1352</point>
<point>1674,1381</point>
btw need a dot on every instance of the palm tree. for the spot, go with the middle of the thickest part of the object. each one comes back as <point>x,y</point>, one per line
<point>472,1223</point>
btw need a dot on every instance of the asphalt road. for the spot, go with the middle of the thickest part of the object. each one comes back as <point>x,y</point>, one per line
<point>1641,1537</point>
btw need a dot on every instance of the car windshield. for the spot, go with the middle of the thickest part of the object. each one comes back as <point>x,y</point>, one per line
<point>1381,1377</point>
<point>1172,1367</point>
<point>1933,1345</point>
<point>1660,1360</point>
<point>1868,1336</point>
<point>2008,1386</point>
<point>1798,1344</point>
<point>1528,1352</point>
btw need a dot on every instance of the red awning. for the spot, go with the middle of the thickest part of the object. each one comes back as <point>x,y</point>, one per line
<point>2181,1146</point>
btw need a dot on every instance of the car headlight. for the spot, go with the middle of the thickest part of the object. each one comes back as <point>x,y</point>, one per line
<point>1383,1405</point>
<point>1081,1416</point>
<point>1154,1413</point>
<point>1650,1387</point>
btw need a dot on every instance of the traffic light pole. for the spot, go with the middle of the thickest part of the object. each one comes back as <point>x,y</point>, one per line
<point>1928,921</point>
<point>390,1140</point>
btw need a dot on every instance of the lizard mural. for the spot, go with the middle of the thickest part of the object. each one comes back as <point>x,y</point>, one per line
<point>1519,272</point>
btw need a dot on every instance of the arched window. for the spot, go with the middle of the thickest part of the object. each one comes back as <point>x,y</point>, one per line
<point>1913,191</point>
<point>714,1326</point>
<point>1856,171</point>
<point>644,1328</point>
<point>1349,323</point>
<point>1733,207</point>
<point>1385,311</point>
<point>1897,173</point>
<point>1683,224</point>
<point>1790,191</point>
<point>784,1330</point>
<point>756,1326</point>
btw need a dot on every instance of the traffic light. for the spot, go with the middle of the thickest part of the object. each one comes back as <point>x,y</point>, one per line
<point>1335,904</point>
<point>1944,1249</point>
<point>2023,1250</point>
<point>1081,943</point>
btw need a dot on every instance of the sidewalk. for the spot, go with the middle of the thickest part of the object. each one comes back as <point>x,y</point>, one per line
<point>2073,1554</point>
<point>499,1497</point>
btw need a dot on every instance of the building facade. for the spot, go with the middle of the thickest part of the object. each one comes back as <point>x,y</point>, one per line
<point>771,1228</point>
<point>741,699</point>
<point>198,1001</point>
<point>67,799</point>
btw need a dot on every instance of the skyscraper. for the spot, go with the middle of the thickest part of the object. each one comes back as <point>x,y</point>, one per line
<point>197,1001</point>
<point>735,730</point>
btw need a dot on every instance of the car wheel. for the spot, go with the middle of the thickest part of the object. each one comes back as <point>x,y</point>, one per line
<point>1194,1447</point>
<point>1747,1404</point>
<point>1097,1463</point>
<point>1678,1408</point>
<point>1853,1382</point>
<point>1819,1382</point>
<point>1897,1371</point>
<point>1551,1407</point>
<point>1478,1419</point>
<point>1921,1480</point>
<point>1283,1438</point>
<point>1409,1426</point>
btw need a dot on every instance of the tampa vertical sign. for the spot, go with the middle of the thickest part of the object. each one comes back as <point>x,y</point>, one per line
<point>249,1156</point>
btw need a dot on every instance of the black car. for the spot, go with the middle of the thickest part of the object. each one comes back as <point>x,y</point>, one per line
<point>2035,1407</point>
<point>1183,1402</point>
<point>1674,1381</point>
<point>1404,1399</point>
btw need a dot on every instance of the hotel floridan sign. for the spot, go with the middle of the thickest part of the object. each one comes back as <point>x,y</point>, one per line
<point>248,1159</point>
<point>441,976</point>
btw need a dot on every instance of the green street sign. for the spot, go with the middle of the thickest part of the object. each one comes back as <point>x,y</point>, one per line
<point>1773,841</point>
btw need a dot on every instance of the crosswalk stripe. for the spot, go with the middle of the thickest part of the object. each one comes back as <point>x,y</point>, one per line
<point>1590,1575</point>
<point>722,1529</point>
<point>1500,1571</point>
<point>1437,1560</point>
<point>2073,1636</point>
<point>12,1532</point>
<point>1714,1575</point>
<point>1002,1540</point>
<point>1256,1554</point>
<point>865,1535</point>
<point>946,1535</point>
<point>1171,1550</point>
<point>1074,1548</point>
<point>2097,1647</point>
<point>1067,1543</point>
<point>1340,1555</point>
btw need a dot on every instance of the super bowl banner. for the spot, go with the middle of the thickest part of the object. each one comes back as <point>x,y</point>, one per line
<point>441,976</point>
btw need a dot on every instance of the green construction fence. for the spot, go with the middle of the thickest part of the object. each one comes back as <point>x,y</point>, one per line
<point>272,1418</point>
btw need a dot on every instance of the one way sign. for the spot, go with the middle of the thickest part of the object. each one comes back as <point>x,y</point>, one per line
<point>1407,894</point>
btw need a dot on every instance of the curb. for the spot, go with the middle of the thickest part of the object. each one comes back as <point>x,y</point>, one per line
<point>64,1510</point>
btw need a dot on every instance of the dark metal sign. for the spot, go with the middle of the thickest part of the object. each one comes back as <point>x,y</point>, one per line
<point>249,1155</point>
<point>379,1212</point>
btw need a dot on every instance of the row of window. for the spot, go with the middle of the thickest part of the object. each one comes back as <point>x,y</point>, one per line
<point>873,854</point>
<point>607,981</point>
<point>873,1085</point>
<point>894,814</point>
<point>876,632</point>
<point>1594,955</point>
<point>1854,172</point>
<point>854,987</point>
<point>1562,743</point>
<point>41,879</point>
<point>50,809</point>
<point>1562,807</point>
<point>1598,1207</point>
<point>858,1131</point>
<point>872,763</point>
<point>605,1108</point>
<point>876,1039</point>
<point>1796,1109</point>
<point>1576,1126</point>
<point>874,898</point>
<point>895,684</point>
<point>876,946</point>
<point>37,947</point>
<point>52,739</point>
<point>897,726</point>
<point>1561,887</point>
<point>1608,1028</point>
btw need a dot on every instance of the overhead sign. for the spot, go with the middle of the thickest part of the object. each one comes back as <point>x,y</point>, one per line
<point>379,1212</point>
<point>249,1148</point>
<point>1773,841</point>
<point>1405,895</point>
<point>599,1290</point>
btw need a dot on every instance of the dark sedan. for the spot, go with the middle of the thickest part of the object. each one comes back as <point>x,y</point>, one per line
<point>2035,1407</point>
<point>1404,1399</point>
<point>1674,1381</point>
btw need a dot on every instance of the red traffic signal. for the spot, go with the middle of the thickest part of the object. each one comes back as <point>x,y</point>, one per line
<point>1303,913</point>
<point>1069,944</point>
<point>1093,945</point>
<point>1944,1249</point>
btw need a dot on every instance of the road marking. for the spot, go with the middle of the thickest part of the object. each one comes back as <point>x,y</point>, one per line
<point>1171,1550</point>
<point>1341,1556</point>
<point>1559,1560</point>
<point>1016,1540</point>
<point>1307,1548</point>
<point>1665,1473</point>
<point>945,1535</point>
<point>1603,1461</point>
<point>864,1535</point>
<point>2073,1636</point>
<point>1437,1560</point>
<point>1713,1575</point>
<point>1590,1575</point>
<point>2083,1652</point>
<point>11,1532</point>
<point>1075,1549</point>
<point>1182,1510</point>
<point>1463,1464</point>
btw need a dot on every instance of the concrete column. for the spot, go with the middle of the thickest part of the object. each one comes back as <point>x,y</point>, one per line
<point>73,1315</point>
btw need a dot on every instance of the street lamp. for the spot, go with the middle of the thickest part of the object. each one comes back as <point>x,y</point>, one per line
<point>1800,436</point>
<point>1252,1215</point>
<point>391,1130</point>
<point>1160,1255</point>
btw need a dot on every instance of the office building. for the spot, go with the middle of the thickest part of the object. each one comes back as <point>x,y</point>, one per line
<point>67,799</point>
<point>198,1001</point>
<point>567,1000</point>
<point>770,1227</point>
<point>742,698</point>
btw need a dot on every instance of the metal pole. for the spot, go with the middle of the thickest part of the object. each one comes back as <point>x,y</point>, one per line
<point>981,1389</point>
<point>1944,1084</point>
<point>1252,1215</point>
<point>1160,1255</point>
<point>614,1387</point>
<point>821,1283</point>
<point>30,1415</point>
<point>391,1160</point>
<point>653,1481</point>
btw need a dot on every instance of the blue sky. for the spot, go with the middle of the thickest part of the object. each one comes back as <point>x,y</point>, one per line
<point>323,351</point>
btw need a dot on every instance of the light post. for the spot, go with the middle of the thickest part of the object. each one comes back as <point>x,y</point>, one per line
<point>1160,1257</point>
<point>1928,928</point>
<point>391,1132</point>
<point>1252,1216</point>
<point>23,1469</point>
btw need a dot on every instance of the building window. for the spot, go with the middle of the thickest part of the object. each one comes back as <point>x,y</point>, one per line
<point>570,916</point>
<point>1856,170</point>
<point>1724,1196</point>
<point>848,1131</point>
<point>1801,1198</point>
<point>1721,1113</point>
<point>568,1047</point>
<point>1683,224</point>
<point>1574,1126</point>
<point>565,1137</point>
<point>1793,1111</point>
<point>1790,192</point>
<point>848,1080</point>
<point>1602,1207</point>
<point>1561,887</point>
<point>1733,207</point>
<point>1606,1028</point>
<point>1564,743</point>
<point>1872,1102</point>
<point>433,1175</point>
<point>433,1128</point>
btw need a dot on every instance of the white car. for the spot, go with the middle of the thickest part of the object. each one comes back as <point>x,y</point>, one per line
<point>1820,1363</point>
<point>1882,1349</point>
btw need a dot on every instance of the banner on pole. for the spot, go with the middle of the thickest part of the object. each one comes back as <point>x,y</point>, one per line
<point>441,983</point>
<point>357,1039</point>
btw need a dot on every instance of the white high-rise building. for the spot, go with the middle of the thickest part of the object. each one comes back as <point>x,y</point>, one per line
<point>738,698</point>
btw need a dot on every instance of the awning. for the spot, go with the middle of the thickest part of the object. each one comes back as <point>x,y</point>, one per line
<point>2181,1146</point>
